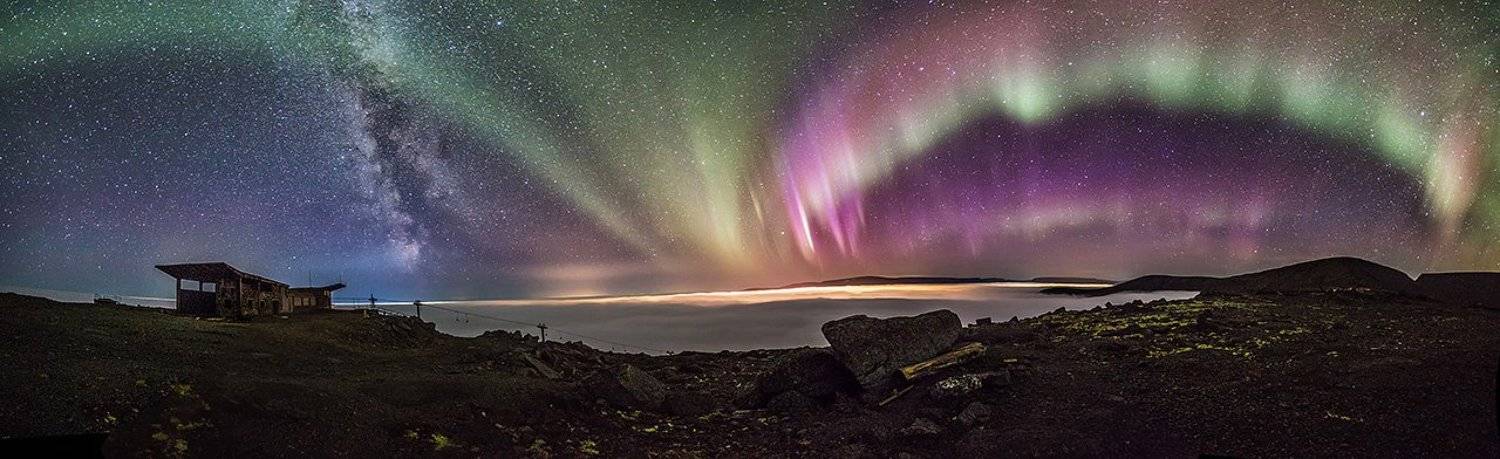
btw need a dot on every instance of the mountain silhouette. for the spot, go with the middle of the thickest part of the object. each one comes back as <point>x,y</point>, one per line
<point>1323,274</point>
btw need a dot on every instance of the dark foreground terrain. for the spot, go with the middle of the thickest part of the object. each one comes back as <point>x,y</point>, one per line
<point>1313,374</point>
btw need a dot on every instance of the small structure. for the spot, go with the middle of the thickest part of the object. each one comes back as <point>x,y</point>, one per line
<point>221,290</point>
<point>302,298</point>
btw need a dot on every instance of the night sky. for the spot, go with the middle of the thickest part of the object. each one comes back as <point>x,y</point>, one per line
<point>439,149</point>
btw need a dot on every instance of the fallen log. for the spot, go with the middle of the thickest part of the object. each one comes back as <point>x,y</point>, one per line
<point>948,359</point>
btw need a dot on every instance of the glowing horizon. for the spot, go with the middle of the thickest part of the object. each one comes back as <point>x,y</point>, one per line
<point>766,295</point>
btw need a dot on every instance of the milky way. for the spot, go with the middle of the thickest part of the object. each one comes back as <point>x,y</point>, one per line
<point>480,149</point>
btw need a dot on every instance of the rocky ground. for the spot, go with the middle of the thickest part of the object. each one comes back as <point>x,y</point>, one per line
<point>1314,374</point>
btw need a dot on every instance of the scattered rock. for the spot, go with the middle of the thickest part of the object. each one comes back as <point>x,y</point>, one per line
<point>1108,345</point>
<point>813,373</point>
<point>397,331</point>
<point>1131,307</point>
<point>1002,333</point>
<point>981,442</point>
<point>626,386</point>
<point>502,339</point>
<point>874,349</point>
<point>958,385</point>
<point>689,404</point>
<point>1207,323</point>
<point>846,403</point>
<point>922,427</point>
<point>974,413</point>
<point>546,371</point>
<point>855,450</point>
<point>568,357</point>
<point>998,378</point>
<point>791,402</point>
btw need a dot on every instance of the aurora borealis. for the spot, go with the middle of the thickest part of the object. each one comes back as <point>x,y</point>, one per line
<point>499,149</point>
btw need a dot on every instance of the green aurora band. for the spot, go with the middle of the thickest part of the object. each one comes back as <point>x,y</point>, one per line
<point>670,125</point>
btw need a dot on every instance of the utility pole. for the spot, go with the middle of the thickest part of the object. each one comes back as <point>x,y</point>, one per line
<point>543,327</point>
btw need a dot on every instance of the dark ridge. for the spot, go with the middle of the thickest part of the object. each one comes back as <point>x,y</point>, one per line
<point>1480,289</point>
<point>1151,283</point>
<point>17,298</point>
<point>1071,280</point>
<point>1324,274</point>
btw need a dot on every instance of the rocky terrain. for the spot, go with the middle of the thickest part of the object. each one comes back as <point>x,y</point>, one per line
<point>1314,373</point>
<point>1465,289</point>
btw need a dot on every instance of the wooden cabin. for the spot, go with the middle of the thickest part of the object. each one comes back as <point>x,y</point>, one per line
<point>217,289</point>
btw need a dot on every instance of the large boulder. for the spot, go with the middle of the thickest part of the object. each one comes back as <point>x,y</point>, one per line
<point>813,374</point>
<point>627,387</point>
<point>875,349</point>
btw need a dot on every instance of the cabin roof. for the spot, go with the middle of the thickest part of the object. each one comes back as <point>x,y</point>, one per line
<point>327,288</point>
<point>210,272</point>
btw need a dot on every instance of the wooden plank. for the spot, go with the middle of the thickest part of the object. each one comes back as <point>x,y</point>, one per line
<point>948,359</point>
<point>895,395</point>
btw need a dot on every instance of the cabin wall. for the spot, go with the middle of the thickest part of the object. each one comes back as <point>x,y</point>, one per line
<point>307,300</point>
<point>227,298</point>
<point>196,303</point>
<point>235,294</point>
<point>266,299</point>
<point>249,297</point>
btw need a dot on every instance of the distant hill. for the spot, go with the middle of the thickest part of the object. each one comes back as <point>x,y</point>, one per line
<point>1324,274</point>
<point>1070,280</point>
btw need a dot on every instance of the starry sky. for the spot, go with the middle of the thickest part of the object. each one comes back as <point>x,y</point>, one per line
<point>477,149</point>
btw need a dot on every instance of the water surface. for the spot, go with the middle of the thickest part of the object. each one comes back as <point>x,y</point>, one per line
<point>743,320</point>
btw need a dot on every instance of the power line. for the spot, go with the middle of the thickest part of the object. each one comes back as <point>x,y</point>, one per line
<point>554,330</point>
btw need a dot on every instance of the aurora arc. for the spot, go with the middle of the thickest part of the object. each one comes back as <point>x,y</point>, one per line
<point>760,147</point>
<point>1034,65</point>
